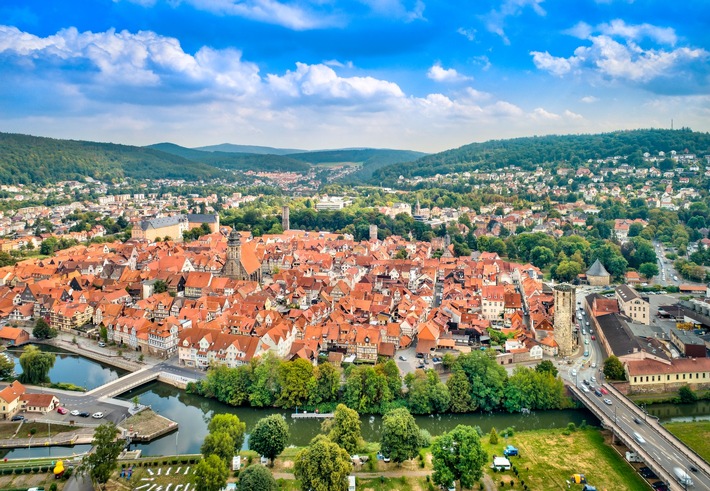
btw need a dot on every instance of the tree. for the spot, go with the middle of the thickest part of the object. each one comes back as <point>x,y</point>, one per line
<point>211,474</point>
<point>460,391</point>
<point>231,425</point>
<point>648,270</point>
<point>400,435</point>
<point>269,436</point>
<point>345,428</point>
<point>686,395</point>
<point>294,378</point>
<point>613,369</point>
<point>323,466</point>
<point>42,330</point>
<point>101,463</point>
<point>160,286</point>
<point>546,366</point>
<point>220,444</point>
<point>7,368</point>
<point>458,456</point>
<point>493,437</point>
<point>35,365</point>
<point>324,384</point>
<point>257,478</point>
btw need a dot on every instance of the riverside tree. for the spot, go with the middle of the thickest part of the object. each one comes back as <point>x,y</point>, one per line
<point>323,466</point>
<point>458,456</point>
<point>35,365</point>
<point>42,330</point>
<point>101,463</point>
<point>401,437</point>
<point>232,426</point>
<point>211,474</point>
<point>345,428</point>
<point>269,436</point>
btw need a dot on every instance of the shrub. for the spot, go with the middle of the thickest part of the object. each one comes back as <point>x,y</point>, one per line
<point>571,426</point>
<point>53,487</point>
<point>18,471</point>
<point>68,473</point>
<point>35,470</point>
<point>33,431</point>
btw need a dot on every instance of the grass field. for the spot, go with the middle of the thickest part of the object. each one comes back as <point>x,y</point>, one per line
<point>695,434</point>
<point>548,458</point>
<point>7,430</point>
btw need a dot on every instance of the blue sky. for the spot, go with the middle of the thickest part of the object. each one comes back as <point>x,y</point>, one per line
<point>410,74</point>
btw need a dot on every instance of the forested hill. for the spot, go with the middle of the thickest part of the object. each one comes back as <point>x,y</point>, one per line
<point>236,161</point>
<point>531,152</point>
<point>232,148</point>
<point>370,159</point>
<point>28,159</point>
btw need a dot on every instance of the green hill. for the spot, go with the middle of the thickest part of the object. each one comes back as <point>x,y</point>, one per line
<point>231,148</point>
<point>528,153</point>
<point>235,161</point>
<point>370,159</point>
<point>28,159</point>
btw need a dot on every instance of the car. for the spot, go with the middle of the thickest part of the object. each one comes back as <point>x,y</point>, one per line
<point>604,391</point>
<point>17,417</point>
<point>637,420</point>
<point>420,355</point>
<point>102,344</point>
<point>607,402</point>
<point>692,468</point>
<point>62,410</point>
<point>640,439</point>
<point>585,381</point>
<point>386,458</point>
<point>594,338</point>
<point>97,415</point>
<point>660,486</point>
<point>421,366</point>
<point>402,357</point>
<point>426,361</point>
<point>585,389</point>
<point>84,414</point>
<point>75,412</point>
<point>593,379</point>
<point>647,473</point>
<point>586,341</point>
<point>573,372</point>
<point>594,365</point>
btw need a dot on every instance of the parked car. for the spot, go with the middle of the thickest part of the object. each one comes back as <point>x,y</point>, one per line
<point>660,486</point>
<point>97,415</point>
<point>420,355</point>
<point>17,417</point>
<point>402,357</point>
<point>62,410</point>
<point>75,412</point>
<point>102,344</point>
<point>607,402</point>
<point>84,414</point>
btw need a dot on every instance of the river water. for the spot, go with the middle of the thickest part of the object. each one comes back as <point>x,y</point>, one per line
<point>192,412</point>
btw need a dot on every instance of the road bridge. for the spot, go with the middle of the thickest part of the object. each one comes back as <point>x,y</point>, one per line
<point>660,450</point>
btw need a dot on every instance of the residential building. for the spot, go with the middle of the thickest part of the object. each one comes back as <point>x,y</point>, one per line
<point>632,305</point>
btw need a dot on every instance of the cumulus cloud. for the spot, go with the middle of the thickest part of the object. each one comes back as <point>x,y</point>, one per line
<point>589,99</point>
<point>637,32</point>
<point>496,18</point>
<point>540,113</point>
<point>683,69</point>
<point>440,74</point>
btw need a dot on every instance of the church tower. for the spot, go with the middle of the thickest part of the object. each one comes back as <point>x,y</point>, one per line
<point>233,265</point>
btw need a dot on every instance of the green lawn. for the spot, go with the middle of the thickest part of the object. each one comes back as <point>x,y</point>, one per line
<point>7,430</point>
<point>548,458</point>
<point>695,434</point>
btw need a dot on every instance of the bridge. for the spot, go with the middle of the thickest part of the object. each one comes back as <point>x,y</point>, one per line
<point>125,383</point>
<point>659,449</point>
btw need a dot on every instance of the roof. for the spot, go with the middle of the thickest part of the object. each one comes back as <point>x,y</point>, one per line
<point>201,218</point>
<point>619,336</point>
<point>626,293</point>
<point>161,222</point>
<point>12,392</point>
<point>650,366</point>
<point>13,333</point>
<point>597,269</point>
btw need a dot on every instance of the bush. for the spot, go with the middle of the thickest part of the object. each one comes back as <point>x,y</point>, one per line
<point>53,487</point>
<point>571,426</point>
<point>67,473</point>
<point>35,470</point>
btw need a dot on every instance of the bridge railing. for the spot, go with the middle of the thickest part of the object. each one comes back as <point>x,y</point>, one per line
<point>673,440</point>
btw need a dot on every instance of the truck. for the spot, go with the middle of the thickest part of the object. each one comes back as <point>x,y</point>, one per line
<point>510,451</point>
<point>682,476</point>
<point>633,457</point>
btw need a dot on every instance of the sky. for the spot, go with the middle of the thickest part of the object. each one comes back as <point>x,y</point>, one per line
<point>410,74</point>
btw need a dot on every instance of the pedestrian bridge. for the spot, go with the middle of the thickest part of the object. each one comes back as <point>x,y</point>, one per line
<point>125,383</point>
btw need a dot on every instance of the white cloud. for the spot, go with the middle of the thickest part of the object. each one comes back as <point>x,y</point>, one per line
<point>495,19</point>
<point>397,9</point>
<point>469,34</point>
<point>440,74</point>
<point>572,115</point>
<point>553,64</point>
<point>682,68</point>
<point>339,64</point>
<point>540,113</point>
<point>483,61</point>
<point>637,32</point>
<point>581,30</point>
<point>589,99</point>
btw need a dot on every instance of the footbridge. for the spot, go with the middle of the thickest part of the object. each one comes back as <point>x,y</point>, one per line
<point>125,383</point>
<point>659,449</point>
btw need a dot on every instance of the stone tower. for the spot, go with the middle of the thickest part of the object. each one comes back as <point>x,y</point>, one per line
<point>564,318</point>
<point>285,219</point>
<point>373,232</point>
<point>233,265</point>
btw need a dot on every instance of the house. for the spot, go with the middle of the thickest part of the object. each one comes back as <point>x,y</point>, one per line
<point>13,336</point>
<point>658,375</point>
<point>39,403</point>
<point>11,400</point>
<point>597,275</point>
<point>632,305</point>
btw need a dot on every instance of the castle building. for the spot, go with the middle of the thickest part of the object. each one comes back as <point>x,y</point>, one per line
<point>564,296</point>
<point>242,262</point>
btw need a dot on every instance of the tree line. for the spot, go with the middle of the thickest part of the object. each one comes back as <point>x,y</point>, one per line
<point>477,383</point>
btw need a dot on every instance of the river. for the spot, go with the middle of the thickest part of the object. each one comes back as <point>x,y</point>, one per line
<point>193,412</point>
